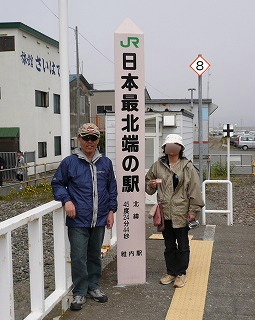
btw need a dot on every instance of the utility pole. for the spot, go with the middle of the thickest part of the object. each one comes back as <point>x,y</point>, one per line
<point>191,98</point>
<point>78,79</point>
<point>208,85</point>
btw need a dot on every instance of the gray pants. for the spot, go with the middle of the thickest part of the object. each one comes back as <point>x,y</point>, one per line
<point>86,265</point>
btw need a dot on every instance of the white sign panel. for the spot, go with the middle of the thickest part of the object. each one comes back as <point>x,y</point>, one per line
<point>130,153</point>
<point>200,65</point>
<point>228,130</point>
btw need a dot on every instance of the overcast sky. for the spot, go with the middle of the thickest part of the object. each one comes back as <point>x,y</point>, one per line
<point>175,32</point>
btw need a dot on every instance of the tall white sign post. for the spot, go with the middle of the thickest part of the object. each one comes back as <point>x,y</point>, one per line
<point>64,78</point>
<point>200,66</point>
<point>130,153</point>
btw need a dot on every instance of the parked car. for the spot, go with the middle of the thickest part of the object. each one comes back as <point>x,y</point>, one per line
<point>234,139</point>
<point>246,142</point>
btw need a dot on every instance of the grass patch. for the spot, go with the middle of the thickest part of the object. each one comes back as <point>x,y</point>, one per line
<point>41,193</point>
<point>220,171</point>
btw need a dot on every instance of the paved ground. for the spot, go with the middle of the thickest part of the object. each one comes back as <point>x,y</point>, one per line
<point>231,287</point>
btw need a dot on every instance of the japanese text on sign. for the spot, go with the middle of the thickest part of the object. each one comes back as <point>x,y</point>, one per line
<point>40,64</point>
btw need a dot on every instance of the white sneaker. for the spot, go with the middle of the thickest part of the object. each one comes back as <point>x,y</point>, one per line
<point>77,303</point>
<point>180,281</point>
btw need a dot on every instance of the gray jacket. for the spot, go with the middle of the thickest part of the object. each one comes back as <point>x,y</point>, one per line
<point>179,200</point>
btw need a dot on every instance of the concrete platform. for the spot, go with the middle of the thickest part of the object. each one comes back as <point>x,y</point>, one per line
<point>221,282</point>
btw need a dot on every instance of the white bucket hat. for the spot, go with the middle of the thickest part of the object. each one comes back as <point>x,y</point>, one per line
<point>173,138</point>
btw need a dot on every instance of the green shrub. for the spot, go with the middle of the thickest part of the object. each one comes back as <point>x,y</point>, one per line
<point>219,170</point>
<point>42,193</point>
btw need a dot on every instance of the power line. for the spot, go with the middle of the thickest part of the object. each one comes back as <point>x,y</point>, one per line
<point>98,49</point>
<point>49,9</point>
<point>158,90</point>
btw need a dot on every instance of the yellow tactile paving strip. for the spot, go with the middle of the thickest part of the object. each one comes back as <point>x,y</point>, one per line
<point>188,302</point>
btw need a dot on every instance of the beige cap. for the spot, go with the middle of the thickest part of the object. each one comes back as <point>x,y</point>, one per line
<point>89,129</point>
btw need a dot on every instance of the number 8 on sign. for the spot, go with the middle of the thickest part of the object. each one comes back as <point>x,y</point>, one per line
<point>200,65</point>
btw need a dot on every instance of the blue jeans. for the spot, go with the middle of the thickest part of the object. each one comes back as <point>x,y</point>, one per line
<point>86,264</point>
<point>176,254</point>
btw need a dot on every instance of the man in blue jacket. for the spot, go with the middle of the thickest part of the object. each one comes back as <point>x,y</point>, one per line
<point>85,184</point>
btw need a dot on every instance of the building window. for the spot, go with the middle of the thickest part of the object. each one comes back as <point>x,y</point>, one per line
<point>103,109</point>
<point>56,98</point>
<point>82,104</point>
<point>57,145</point>
<point>41,99</point>
<point>7,43</point>
<point>42,149</point>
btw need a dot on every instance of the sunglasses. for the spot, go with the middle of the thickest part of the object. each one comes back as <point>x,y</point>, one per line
<point>89,137</point>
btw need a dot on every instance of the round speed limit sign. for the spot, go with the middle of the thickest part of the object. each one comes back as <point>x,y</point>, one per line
<point>200,65</point>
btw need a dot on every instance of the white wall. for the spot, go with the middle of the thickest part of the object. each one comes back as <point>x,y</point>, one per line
<point>184,127</point>
<point>18,84</point>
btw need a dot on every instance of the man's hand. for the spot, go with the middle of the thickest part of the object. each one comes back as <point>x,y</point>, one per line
<point>110,220</point>
<point>70,209</point>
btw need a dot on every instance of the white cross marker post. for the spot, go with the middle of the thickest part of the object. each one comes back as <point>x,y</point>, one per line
<point>200,65</point>
<point>228,131</point>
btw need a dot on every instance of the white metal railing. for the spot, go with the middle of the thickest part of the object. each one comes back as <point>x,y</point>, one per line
<point>40,306</point>
<point>229,210</point>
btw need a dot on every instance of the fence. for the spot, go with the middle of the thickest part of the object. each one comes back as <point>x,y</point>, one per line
<point>242,163</point>
<point>40,306</point>
<point>33,219</point>
<point>32,174</point>
<point>229,210</point>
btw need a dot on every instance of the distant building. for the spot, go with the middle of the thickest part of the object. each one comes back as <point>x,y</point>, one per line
<point>29,92</point>
<point>83,97</point>
<point>30,107</point>
<point>166,105</point>
<point>102,102</point>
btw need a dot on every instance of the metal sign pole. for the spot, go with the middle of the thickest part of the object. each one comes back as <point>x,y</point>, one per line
<point>200,65</point>
<point>200,128</point>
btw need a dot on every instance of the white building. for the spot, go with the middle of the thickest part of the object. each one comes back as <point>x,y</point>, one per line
<point>161,105</point>
<point>157,126</point>
<point>102,102</point>
<point>29,92</point>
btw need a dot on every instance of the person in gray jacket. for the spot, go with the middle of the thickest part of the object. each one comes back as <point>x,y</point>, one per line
<point>176,181</point>
<point>85,184</point>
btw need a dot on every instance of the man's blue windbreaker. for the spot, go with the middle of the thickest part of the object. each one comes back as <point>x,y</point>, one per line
<point>91,186</point>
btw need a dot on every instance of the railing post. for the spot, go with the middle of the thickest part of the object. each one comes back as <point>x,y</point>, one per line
<point>203,209</point>
<point>36,265</point>
<point>6,278</point>
<point>229,210</point>
<point>59,249</point>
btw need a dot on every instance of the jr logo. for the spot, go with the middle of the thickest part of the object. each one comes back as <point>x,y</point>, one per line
<point>130,40</point>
